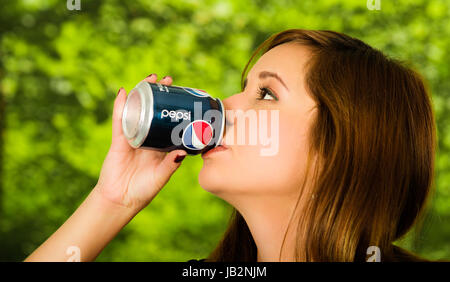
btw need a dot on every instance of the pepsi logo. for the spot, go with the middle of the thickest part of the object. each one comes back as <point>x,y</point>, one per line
<point>176,114</point>
<point>197,135</point>
<point>196,92</point>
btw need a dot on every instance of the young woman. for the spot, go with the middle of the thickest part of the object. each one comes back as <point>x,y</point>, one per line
<point>353,170</point>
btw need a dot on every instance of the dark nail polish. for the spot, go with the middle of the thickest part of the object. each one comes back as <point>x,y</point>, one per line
<point>166,77</point>
<point>119,90</point>
<point>152,75</point>
<point>178,159</point>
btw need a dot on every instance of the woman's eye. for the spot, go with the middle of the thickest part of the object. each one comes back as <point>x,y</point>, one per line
<point>265,94</point>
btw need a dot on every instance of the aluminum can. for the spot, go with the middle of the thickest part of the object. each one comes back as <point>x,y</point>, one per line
<point>167,118</point>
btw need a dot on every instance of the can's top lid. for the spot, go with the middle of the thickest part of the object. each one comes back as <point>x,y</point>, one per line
<point>137,114</point>
<point>132,114</point>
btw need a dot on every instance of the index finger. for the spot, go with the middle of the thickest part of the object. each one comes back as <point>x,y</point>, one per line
<point>167,80</point>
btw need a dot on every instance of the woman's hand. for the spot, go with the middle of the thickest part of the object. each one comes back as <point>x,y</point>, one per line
<point>132,177</point>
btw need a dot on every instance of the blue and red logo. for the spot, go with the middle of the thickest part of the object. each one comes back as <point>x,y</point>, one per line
<point>197,135</point>
<point>196,92</point>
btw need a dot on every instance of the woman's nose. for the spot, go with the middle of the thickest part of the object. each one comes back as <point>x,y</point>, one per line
<point>233,102</point>
<point>227,104</point>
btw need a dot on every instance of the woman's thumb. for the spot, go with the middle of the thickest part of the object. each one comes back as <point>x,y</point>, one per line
<point>168,166</point>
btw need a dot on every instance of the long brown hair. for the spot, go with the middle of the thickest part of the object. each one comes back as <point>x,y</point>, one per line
<point>374,139</point>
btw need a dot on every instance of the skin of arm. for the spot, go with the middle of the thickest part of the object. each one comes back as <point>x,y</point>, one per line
<point>90,228</point>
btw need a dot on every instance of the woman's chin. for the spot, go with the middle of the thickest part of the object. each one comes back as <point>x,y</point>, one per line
<point>211,180</point>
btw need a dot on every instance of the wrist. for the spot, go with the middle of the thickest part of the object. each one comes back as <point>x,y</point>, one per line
<point>109,206</point>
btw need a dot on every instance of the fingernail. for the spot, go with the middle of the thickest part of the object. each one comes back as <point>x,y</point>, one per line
<point>178,159</point>
<point>166,76</point>
<point>119,90</point>
<point>152,75</point>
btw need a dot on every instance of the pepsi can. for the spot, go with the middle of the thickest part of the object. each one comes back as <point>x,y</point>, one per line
<point>166,118</point>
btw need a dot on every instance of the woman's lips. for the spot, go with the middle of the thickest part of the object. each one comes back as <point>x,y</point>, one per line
<point>216,149</point>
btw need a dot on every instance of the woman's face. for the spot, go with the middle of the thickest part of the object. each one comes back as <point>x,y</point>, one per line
<point>261,168</point>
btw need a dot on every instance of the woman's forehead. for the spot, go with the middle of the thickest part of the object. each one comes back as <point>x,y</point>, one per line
<point>287,61</point>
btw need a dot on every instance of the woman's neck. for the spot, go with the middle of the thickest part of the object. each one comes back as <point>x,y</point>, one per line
<point>268,220</point>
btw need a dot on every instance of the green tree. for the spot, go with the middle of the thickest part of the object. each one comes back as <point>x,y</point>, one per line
<point>60,70</point>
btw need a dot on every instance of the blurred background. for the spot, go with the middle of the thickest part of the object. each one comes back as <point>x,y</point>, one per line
<point>60,70</point>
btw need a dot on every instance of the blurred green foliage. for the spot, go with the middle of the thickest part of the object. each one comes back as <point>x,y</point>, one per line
<point>60,70</point>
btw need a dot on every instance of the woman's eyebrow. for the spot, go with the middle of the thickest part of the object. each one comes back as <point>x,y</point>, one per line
<point>265,74</point>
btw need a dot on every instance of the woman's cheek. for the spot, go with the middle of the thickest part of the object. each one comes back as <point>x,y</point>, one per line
<point>292,146</point>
